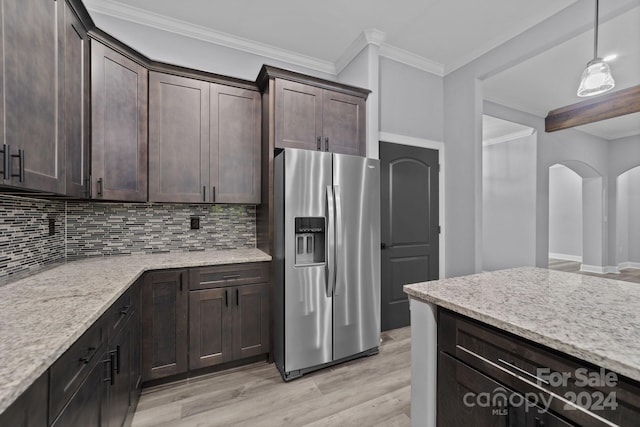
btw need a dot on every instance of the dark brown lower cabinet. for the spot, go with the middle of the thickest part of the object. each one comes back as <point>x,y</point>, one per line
<point>488,377</point>
<point>30,410</point>
<point>164,324</point>
<point>120,391</point>
<point>228,323</point>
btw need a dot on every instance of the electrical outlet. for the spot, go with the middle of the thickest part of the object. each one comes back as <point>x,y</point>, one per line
<point>195,222</point>
<point>52,226</point>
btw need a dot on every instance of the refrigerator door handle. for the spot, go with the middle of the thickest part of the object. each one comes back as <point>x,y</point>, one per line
<point>331,252</point>
<point>338,236</point>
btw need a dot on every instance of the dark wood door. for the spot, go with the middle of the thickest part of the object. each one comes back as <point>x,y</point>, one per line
<point>210,327</point>
<point>75,99</point>
<point>235,144</point>
<point>164,324</point>
<point>32,123</point>
<point>87,406</point>
<point>120,391</point>
<point>298,115</point>
<point>118,125</point>
<point>251,320</point>
<point>179,167</point>
<point>409,226</point>
<point>460,402</point>
<point>343,124</point>
<point>30,409</point>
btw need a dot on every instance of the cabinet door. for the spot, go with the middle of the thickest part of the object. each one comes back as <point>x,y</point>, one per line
<point>164,324</point>
<point>235,144</point>
<point>32,126</point>
<point>460,391</point>
<point>30,409</point>
<point>298,115</point>
<point>343,125</point>
<point>120,389</point>
<point>118,126</point>
<point>251,321</point>
<point>75,100</point>
<point>209,327</point>
<point>87,405</point>
<point>178,139</point>
<point>136,346</point>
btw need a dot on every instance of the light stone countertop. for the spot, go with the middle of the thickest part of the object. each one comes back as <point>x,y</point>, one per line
<point>41,316</point>
<point>591,318</point>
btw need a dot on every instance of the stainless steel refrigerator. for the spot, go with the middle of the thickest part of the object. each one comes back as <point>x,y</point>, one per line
<point>327,259</point>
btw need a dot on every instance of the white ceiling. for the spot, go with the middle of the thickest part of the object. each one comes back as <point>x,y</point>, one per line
<point>444,34</point>
<point>550,80</point>
<point>495,130</point>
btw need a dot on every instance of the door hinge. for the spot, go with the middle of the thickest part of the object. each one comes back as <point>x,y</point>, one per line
<point>439,230</point>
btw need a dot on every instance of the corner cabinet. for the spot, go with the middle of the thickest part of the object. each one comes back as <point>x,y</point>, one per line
<point>118,125</point>
<point>315,114</point>
<point>204,141</point>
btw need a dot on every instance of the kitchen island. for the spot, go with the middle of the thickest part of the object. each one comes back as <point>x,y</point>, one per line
<point>525,327</point>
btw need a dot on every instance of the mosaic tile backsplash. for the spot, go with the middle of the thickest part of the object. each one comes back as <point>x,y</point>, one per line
<point>96,229</point>
<point>25,243</point>
<point>86,229</point>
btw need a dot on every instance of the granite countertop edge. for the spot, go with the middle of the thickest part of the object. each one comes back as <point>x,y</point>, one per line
<point>15,380</point>
<point>582,353</point>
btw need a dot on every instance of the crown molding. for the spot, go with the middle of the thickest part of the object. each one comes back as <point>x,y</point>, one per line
<point>176,26</point>
<point>408,58</point>
<point>367,37</point>
<point>508,137</point>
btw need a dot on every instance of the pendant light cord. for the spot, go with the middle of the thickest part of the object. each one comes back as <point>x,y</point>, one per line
<point>595,34</point>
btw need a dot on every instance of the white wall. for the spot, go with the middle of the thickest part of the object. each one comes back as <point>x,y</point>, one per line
<point>624,154</point>
<point>509,198</point>
<point>185,51</point>
<point>565,213</point>
<point>462,115</point>
<point>410,101</point>
<point>629,216</point>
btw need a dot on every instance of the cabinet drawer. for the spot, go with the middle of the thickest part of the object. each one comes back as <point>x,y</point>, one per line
<point>118,313</point>
<point>68,372</point>
<point>228,275</point>
<point>529,367</point>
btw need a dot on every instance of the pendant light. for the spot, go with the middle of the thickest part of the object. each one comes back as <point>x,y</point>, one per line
<point>596,77</point>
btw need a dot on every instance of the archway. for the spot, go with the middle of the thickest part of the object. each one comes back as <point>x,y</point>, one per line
<point>577,215</point>
<point>628,219</point>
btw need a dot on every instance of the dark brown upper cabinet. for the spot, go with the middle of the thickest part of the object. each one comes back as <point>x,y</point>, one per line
<point>204,141</point>
<point>32,148</point>
<point>235,144</point>
<point>118,125</point>
<point>178,139</point>
<point>75,99</point>
<point>315,114</point>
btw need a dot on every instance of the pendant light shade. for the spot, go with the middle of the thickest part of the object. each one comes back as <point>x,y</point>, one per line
<point>596,78</point>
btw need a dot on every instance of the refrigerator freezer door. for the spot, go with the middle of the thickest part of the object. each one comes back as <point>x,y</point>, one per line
<point>356,301</point>
<point>307,317</point>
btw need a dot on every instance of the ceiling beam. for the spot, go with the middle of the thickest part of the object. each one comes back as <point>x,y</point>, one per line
<point>604,107</point>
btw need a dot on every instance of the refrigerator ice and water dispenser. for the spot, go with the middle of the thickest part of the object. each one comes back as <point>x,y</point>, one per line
<point>310,238</point>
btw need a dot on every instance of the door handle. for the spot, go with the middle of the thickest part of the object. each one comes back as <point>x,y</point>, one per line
<point>338,237</point>
<point>20,174</point>
<point>330,266</point>
<point>6,161</point>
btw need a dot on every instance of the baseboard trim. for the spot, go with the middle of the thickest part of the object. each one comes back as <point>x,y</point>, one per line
<point>566,257</point>
<point>628,264</point>
<point>598,269</point>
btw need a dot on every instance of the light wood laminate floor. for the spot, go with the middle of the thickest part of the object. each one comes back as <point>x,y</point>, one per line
<point>371,391</point>
<point>627,275</point>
